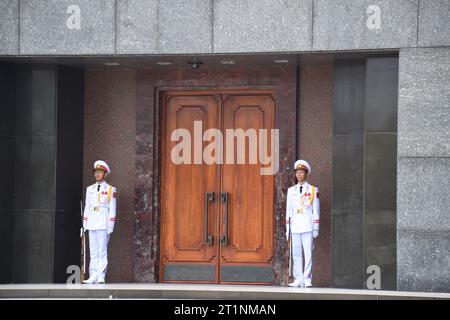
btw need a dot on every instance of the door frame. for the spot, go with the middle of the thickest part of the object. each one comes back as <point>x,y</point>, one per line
<point>159,95</point>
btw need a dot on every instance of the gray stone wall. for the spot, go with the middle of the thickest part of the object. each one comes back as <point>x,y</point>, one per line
<point>49,27</point>
<point>423,175</point>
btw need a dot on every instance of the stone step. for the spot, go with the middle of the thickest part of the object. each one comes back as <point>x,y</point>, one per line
<point>199,291</point>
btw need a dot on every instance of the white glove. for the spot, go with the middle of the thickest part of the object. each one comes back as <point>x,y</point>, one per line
<point>315,233</point>
<point>110,230</point>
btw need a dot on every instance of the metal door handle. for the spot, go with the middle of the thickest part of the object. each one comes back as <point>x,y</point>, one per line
<point>224,238</point>
<point>209,197</point>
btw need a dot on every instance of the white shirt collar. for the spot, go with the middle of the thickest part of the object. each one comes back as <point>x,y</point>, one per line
<point>304,185</point>
<point>101,184</point>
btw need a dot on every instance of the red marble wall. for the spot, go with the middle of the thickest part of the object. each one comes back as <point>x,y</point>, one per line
<point>147,186</point>
<point>315,146</point>
<point>110,134</point>
<point>122,126</point>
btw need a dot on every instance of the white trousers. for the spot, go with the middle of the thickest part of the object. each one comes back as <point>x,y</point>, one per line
<point>302,240</point>
<point>98,248</point>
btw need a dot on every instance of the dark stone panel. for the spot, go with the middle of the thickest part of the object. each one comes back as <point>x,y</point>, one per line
<point>189,272</point>
<point>32,246</point>
<point>6,171</point>
<point>348,97</point>
<point>69,166</point>
<point>34,173</point>
<point>246,274</point>
<point>28,167</point>
<point>7,102</point>
<point>348,174</point>
<point>348,160</point>
<point>380,171</point>
<point>31,160</point>
<point>381,94</point>
<point>364,169</point>
<point>7,119</point>
<point>380,237</point>
<point>69,149</point>
<point>67,247</point>
<point>348,249</point>
<point>6,236</point>
<point>381,168</point>
<point>35,100</point>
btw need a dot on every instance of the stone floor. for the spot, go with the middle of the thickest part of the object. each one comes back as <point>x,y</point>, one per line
<point>198,291</point>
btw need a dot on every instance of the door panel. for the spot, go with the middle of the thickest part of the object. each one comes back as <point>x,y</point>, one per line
<point>184,232</point>
<point>250,194</point>
<point>235,244</point>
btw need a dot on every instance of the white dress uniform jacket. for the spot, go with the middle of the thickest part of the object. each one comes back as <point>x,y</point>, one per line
<point>303,209</point>
<point>100,208</point>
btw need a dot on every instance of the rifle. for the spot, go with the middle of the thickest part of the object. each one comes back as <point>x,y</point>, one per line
<point>83,246</point>
<point>290,249</point>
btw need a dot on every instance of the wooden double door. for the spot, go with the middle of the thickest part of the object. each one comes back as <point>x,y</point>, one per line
<point>216,216</point>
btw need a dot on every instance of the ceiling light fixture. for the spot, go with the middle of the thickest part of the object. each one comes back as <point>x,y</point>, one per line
<point>281,61</point>
<point>228,62</point>
<point>163,63</point>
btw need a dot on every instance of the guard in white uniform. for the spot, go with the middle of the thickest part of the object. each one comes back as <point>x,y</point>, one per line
<point>303,209</point>
<point>99,218</point>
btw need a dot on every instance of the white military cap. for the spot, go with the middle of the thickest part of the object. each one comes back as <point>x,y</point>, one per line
<point>102,165</point>
<point>302,164</point>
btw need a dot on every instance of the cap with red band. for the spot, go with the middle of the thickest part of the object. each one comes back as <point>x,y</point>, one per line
<point>302,164</point>
<point>102,165</point>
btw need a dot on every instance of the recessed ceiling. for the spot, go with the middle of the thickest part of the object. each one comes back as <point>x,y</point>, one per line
<point>167,61</point>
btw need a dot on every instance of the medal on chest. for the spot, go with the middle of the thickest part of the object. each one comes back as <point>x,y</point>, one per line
<point>103,196</point>
<point>302,202</point>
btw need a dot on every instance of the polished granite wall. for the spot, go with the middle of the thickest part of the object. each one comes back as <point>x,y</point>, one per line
<point>34,173</point>
<point>7,119</point>
<point>69,165</point>
<point>41,190</point>
<point>364,170</point>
